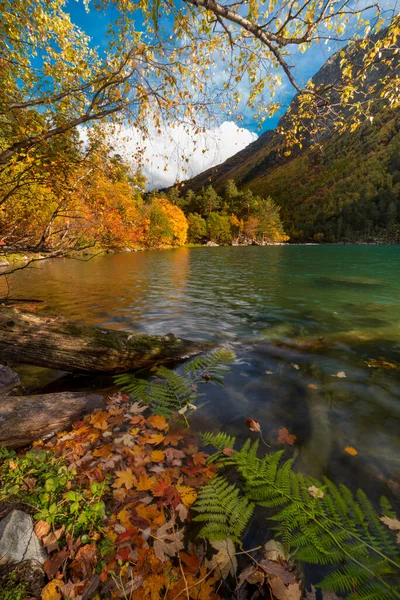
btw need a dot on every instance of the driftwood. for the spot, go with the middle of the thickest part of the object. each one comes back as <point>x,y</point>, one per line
<point>25,419</point>
<point>57,343</point>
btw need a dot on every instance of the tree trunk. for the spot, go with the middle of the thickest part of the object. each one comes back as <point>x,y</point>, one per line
<point>56,343</point>
<point>25,419</point>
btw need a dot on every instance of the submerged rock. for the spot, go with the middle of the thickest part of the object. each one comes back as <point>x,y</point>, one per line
<point>9,380</point>
<point>18,541</point>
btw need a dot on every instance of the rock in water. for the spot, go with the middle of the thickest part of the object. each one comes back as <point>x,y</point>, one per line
<point>18,542</point>
<point>8,380</point>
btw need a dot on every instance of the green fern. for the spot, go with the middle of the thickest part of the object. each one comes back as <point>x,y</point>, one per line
<point>334,528</point>
<point>224,510</point>
<point>220,441</point>
<point>167,392</point>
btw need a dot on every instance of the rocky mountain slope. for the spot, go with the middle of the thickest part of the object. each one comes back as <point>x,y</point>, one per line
<point>345,188</point>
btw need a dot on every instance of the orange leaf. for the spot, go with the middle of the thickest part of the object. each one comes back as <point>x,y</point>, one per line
<point>157,456</point>
<point>99,419</point>
<point>253,425</point>
<point>284,437</point>
<point>157,422</point>
<point>172,439</point>
<point>104,451</point>
<point>125,478</point>
<point>154,438</point>
<point>145,483</point>
<point>350,450</point>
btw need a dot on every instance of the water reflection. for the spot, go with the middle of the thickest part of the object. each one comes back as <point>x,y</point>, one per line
<point>340,303</point>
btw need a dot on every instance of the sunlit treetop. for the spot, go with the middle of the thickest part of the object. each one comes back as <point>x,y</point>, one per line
<point>186,61</point>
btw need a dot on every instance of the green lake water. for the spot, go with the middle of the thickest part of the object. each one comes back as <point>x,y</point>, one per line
<point>341,302</point>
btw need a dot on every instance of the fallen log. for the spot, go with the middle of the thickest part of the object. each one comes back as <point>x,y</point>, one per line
<point>25,419</point>
<point>54,342</point>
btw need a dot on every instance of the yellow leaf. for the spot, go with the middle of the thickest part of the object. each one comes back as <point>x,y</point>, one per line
<point>350,450</point>
<point>51,591</point>
<point>157,456</point>
<point>125,478</point>
<point>188,495</point>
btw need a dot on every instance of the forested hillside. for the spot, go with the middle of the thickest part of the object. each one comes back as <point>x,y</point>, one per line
<point>339,186</point>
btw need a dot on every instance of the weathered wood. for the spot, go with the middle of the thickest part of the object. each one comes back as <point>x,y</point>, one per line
<point>25,419</point>
<point>57,343</point>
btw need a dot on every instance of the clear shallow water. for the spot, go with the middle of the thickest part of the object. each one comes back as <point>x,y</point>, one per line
<point>347,297</point>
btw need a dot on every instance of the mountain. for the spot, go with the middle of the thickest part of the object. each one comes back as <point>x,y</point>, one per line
<point>346,187</point>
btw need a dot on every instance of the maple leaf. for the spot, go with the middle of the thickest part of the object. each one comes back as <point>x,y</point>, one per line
<point>169,540</point>
<point>154,438</point>
<point>126,439</point>
<point>160,487</point>
<point>157,456</point>
<point>52,591</point>
<point>145,483</point>
<point>315,492</point>
<point>104,451</point>
<point>153,584</point>
<point>284,437</point>
<point>188,494</point>
<point>350,450</point>
<point>125,478</point>
<point>158,422</point>
<point>172,439</point>
<point>99,419</point>
<point>137,420</point>
<point>199,459</point>
<point>225,559</point>
<point>191,561</point>
<point>84,563</point>
<point>253,425</point>
<point>136,408</point>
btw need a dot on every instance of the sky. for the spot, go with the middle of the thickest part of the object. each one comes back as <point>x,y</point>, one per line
<point>219,143</point>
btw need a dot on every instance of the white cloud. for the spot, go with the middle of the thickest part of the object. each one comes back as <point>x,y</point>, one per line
<point>177,154</point>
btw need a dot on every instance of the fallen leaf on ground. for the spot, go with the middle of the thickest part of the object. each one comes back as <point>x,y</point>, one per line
<point>283,592</point>
<point>51,591</point>
<point>157,456</point>
<point>157,422</point>
<point>125,478</point>
<point>284,437</point>
<point>188,494</point>
<point>41,529</point>
<point>274,550</point>
<point>50,541</point>
<point>168,540</point>
<point>253,425</point>
<point>225,560</point>
<point>312,386</point>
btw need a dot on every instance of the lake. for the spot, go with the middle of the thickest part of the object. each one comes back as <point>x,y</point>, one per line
<point>306,322</point>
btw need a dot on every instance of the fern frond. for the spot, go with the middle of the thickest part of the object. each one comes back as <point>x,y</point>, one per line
<point>224,510</point>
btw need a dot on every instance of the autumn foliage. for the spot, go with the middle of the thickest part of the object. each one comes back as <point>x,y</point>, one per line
<point>150,471</point>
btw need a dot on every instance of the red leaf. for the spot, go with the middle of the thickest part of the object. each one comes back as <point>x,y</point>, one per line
<point>284,437</point>
<point>253,425</point>
<point>126,535</point>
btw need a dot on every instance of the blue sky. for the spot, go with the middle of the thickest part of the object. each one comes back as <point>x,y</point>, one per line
<point>95,24</point>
